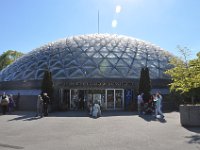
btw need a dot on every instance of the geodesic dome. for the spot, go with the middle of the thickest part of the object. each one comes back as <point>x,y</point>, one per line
<point>90,56</point>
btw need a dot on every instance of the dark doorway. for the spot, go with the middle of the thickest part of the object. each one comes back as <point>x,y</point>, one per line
<point>81,99</point>
<point>66,99</point>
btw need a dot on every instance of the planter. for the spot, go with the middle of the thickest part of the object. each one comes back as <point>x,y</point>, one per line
<point>190,115</point>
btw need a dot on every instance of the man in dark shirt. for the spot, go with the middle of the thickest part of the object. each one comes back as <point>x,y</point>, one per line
<point>46,101</point>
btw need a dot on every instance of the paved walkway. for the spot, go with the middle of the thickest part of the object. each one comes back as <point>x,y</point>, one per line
<point>113,131</point>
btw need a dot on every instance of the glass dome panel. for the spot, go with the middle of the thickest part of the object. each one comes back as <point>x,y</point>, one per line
<point>90,56</point>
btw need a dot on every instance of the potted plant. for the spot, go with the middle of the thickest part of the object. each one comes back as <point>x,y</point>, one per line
<point>185,77</point>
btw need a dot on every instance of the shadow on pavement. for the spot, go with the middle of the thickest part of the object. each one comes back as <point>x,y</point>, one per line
<point>25,116</point>
<point>193,139</point>
<point>86,114</point>
<point>30,116</point>
<point>152,118</point>
<point>118,113</point>
<point>11,146</point>
<point>69,114</point>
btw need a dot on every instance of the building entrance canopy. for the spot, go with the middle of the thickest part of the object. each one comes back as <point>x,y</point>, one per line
<point>96,83</point>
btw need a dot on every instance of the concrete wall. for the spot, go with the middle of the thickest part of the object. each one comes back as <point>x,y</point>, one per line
<point>190,115</point>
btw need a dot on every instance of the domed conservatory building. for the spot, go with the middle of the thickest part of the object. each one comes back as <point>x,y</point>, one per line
<point>85,68</point>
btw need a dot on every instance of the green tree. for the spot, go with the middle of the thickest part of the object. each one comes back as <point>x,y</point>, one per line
<point>185,74</point>
<point>9,57</point>
<point>194,69</point>
<point>145,83</point>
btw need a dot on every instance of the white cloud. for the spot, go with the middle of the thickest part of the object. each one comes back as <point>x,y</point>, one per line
<point>118,9</point>
<point>114,23</point>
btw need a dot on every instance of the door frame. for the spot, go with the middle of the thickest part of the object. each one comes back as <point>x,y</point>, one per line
<point>106,92</point>
<point>114,90</point>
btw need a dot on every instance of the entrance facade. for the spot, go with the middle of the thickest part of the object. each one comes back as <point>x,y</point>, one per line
<point>78,99</point>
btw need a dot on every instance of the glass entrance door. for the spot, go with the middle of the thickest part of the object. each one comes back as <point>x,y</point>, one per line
<point>64,99</point>
<point>115,99</point>
<point>118,99</point>
<point>110,99</point>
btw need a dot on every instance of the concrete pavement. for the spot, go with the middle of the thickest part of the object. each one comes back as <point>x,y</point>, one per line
<point>113,131</point>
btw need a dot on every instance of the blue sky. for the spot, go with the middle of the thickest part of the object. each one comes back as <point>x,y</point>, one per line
<point>28,24</point>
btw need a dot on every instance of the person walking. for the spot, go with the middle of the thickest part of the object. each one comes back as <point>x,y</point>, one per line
<point>140,102</point>
<point>158,110</point>
<point>39,106</point>
<point>46,101</point>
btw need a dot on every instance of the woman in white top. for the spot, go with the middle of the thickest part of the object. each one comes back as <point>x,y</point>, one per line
<point>158,106</point>
<point>140,102</point>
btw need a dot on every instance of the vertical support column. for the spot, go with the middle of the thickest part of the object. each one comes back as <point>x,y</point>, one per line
<point>123,99</point>
<point>114,99</point>
<point>106,99</point>
<point>70,99</point>
<point>61,96</point>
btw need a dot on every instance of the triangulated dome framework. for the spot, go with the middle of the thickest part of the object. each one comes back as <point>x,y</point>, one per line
<point>90,56</point>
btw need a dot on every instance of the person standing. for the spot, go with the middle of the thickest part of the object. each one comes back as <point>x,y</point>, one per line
<point>4,103</point>
<point>96,111</point>
<point>140,102</point>
<point>46,101</point>
<point>39,106</point>
<point>11,104</point>
<point>158,110</point>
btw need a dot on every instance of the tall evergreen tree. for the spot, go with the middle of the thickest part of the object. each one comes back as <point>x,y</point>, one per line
<point>145,83</point>
<point>141,82</point>
<point>47,84</point>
